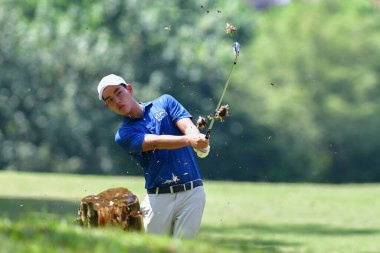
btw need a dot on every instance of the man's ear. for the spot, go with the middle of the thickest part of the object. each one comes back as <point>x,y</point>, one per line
<point>129,88</point>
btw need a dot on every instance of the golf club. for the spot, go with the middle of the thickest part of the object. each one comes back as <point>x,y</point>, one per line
<point>236,48</point>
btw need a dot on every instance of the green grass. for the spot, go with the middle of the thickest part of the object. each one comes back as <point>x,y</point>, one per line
<point>37,213</point>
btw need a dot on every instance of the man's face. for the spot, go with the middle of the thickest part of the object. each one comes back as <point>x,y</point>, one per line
<point>118,99</point>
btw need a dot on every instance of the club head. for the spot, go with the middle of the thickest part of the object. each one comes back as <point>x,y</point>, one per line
<point>236,47</point>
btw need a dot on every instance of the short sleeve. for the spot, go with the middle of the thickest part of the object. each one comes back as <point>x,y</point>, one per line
<point>130,139</point>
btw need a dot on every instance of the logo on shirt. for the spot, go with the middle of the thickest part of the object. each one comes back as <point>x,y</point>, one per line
<point>160,115</point>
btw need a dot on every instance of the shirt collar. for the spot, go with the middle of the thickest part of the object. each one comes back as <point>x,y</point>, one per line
<point>144,106</point>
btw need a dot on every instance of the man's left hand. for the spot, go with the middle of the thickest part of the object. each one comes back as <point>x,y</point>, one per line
<point>202,153</point>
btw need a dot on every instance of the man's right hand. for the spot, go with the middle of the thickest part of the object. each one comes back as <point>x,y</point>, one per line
<point>199,141</point>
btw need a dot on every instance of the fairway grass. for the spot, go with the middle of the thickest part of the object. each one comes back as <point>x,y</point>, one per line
<point>37,211</point>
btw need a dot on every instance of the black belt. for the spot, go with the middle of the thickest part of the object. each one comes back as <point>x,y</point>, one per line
<point>176,188</point>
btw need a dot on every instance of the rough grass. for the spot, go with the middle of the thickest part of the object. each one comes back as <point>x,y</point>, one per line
<point>37,213</point>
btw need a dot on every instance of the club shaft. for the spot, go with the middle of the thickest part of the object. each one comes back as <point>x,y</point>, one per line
<point>221,98</point>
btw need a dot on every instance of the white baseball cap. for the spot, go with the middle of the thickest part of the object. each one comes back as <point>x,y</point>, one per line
<point>111,79</point>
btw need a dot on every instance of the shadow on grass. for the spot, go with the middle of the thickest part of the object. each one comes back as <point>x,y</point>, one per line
<point>247,239</point>
<point>255,237</point>
<point>251,245</point>
<point>18,208</point>
<point>304,229</point>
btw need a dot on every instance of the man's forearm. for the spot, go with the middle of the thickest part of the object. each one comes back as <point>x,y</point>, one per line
<point>187,127</point>
<point>192,129</point>
<point>152,142</point>
<point>197,139</point>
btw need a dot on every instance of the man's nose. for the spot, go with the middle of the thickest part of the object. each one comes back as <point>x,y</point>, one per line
<point>118,100</point>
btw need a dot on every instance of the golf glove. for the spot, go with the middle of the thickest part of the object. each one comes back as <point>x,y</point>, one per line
<point>203,153</point>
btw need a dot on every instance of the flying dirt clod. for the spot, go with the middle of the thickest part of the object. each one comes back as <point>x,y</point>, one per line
<point>230,29</point>
<point>201,122</point>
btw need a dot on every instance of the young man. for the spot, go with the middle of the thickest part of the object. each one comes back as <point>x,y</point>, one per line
<point>161,136</point>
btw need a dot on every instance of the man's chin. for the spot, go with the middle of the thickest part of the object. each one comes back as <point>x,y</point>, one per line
<point>121,113</point>
<point>124,113</point>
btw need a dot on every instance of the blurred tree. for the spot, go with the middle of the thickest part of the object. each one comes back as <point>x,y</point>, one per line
<point>303,98</point>
<point>313,84</point>
<point>54,53</point>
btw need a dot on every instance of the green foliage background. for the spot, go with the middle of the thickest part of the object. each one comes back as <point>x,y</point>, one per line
<point>304,98</point>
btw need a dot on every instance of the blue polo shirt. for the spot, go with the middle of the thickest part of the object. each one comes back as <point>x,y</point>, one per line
<point>162,167</point>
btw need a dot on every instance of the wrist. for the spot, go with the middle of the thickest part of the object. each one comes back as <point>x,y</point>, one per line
<point>187,140</point>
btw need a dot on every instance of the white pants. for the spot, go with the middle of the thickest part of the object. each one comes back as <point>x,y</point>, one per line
<point>179,214</point>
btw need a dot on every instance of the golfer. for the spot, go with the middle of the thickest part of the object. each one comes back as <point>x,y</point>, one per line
<point>161,136</point>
